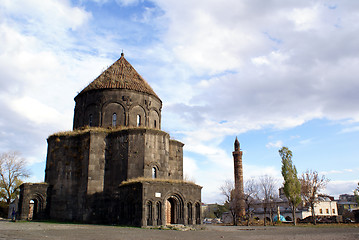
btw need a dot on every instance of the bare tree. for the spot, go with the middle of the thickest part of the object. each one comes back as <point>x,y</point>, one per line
<point>12,169</point>
<point>232,201</point>
<point>273,204</point>
<point>251,189</point>
<point>267,188</point>
<point>311,184</point>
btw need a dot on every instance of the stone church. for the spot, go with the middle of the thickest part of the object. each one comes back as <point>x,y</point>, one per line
<point>116,166</point>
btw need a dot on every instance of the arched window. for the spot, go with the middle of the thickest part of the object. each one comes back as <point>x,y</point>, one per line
<point>90,120</point>
<point>189,213</point>
<point>159,213</point>
<point>138,120</point>
<point>149,213</point>
<point>154,172</point>
<point>155,123</point>
<point>114,119</point>
<point>198,213</point>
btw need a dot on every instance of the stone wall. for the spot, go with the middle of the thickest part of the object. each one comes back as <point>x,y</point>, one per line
<point>116,160</point>
<point>96,162</point>
<point>66,173</point>
<point>121,207</point>
<point>175,162</point>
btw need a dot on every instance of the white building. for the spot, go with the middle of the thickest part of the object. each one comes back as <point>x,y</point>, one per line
<point>326,207</point>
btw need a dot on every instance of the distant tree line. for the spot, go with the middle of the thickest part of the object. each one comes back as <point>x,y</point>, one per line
<point>263,188</point>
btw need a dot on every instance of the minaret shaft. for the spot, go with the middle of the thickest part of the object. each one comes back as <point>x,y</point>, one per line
<point>238,178</point>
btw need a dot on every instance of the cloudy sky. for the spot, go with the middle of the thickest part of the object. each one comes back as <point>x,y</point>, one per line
<point>273,73</point>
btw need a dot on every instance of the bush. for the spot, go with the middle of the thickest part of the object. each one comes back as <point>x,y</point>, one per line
<point>4,209</point>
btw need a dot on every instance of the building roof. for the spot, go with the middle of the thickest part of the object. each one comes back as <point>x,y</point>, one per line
<point>340,202</point>
<point>120,75</point>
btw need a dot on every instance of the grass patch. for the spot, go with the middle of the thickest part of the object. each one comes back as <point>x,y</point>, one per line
<point>87,129</point>
<point>154,180</point>
<point>57,222</point>
<point>328,225</point>
<point>172,227</point>
<point>77,223</point>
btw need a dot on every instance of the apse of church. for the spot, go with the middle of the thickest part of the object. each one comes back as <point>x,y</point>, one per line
<point>117,166</point>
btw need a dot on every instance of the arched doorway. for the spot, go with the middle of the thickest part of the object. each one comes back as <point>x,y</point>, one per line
<point>174,210</point>
<point>36,207</point>
<point>31,210</point>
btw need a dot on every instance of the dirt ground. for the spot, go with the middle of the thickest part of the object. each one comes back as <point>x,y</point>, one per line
<point>39,231</point>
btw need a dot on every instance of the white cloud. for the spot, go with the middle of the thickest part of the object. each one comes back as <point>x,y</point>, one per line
<point>350,129</point>
<point>285,87</point>
<point>34,179</point>
<point>304,18</point>
<point>252,171</point>
<point>35,159</point>
<point>339,171</point>
<point>35,111</point>
<point>274,60</point>
<point>127,2</point>
<point>336,187</point>
<point>201,31</point>
<point>48,19</point>
<point>277,144</point>
<point>332,172</point>
<point>305,141</point>
<point>190,168</point>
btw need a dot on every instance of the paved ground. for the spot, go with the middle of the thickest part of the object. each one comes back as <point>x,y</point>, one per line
<point>40,231</point>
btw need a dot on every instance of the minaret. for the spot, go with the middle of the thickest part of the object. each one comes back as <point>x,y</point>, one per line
<point>238,178</point>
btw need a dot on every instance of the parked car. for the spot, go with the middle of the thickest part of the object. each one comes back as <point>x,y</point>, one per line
<point>207,221</point>
<point>348,220</point>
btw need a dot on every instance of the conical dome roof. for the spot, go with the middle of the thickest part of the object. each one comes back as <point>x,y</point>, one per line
<point>120,75</point>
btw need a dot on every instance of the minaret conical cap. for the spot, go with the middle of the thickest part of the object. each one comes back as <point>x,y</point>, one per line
<point>236,145</point>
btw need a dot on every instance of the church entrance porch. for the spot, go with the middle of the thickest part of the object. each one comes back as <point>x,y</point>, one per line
<point>32,201</point>
<point>174,210</point>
